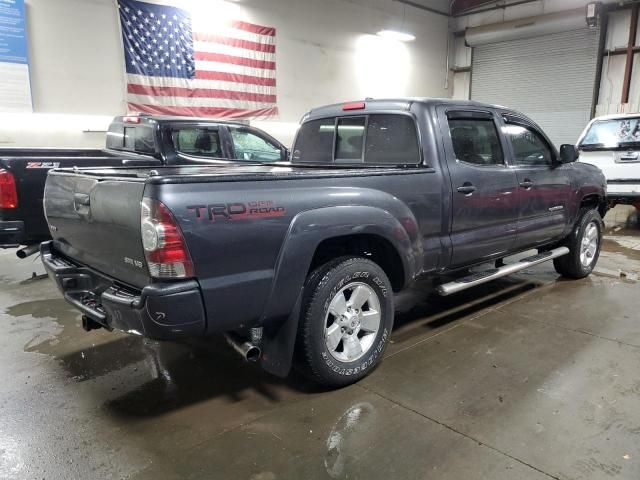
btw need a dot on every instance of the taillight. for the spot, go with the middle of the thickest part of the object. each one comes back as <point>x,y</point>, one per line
<point>8,191</point>
<point>164,246</point>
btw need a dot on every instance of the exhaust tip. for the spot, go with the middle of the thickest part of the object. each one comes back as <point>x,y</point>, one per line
<point>249,351</point>
<point>253,354</point>
<point>89,324</point>
<point>28,251</point>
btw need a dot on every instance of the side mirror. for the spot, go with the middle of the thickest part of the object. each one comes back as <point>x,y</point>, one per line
<point>568,153</point>
<point>286,155</point>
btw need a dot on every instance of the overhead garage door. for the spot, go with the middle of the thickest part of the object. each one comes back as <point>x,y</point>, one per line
<point>549,78</point>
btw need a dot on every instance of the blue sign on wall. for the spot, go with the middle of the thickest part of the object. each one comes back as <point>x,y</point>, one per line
<point>13,32</point>
<point>15,88</point>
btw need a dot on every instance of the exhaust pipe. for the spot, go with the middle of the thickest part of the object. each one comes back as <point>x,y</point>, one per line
<point>28,250</point>
<point>88,324</point>
<point>249,351</point>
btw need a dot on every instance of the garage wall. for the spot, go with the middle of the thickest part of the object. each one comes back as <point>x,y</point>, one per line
<point>551,78</point>
<point>609,91</point>
<point>327,52</point>
<point>613,67</point>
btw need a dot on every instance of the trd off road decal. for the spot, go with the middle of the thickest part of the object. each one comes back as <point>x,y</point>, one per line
<point>237,211</point>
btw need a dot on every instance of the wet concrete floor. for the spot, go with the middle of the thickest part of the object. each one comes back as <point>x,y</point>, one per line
<point>530,377</point>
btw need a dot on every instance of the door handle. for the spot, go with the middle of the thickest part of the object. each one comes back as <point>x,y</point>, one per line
<point>82,204</point>
<point>467,188</point>
<point>526,183</point>
<point>81,199</point>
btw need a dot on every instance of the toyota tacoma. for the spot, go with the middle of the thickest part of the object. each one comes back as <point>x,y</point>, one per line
<point>301,262</point>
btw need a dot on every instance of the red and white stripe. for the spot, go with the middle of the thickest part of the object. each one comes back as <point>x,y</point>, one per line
<point>235,77</point>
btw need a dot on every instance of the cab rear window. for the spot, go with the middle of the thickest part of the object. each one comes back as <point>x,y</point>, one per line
<point>383,139</point>
<point>139,138</point>
<point>314,143</point>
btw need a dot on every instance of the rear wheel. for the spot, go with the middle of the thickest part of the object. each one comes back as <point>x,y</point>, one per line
<point>346,321</point>
<point>584,245</point>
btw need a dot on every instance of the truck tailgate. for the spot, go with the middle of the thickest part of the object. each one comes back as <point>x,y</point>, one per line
<point>96,221</point>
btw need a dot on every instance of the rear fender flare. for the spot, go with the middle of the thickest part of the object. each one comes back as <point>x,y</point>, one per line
<point>307,230</point>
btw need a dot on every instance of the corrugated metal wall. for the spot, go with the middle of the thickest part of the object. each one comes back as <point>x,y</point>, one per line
<point>549,78</point>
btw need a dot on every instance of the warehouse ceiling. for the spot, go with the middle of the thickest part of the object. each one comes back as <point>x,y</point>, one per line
<point>461,6</point>
<point>457,6</point>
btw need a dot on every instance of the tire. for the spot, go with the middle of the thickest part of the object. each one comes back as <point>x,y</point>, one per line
<point>583,254</point>
<point>338,350</point>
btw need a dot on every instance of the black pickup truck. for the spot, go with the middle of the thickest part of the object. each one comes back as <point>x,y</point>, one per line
<point>144,141</point>
<point>305,258</point>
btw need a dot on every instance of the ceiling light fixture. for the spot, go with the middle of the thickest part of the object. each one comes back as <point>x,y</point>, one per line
<point>398,35</point>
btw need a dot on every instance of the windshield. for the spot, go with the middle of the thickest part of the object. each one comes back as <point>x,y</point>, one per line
<point>611,134</point>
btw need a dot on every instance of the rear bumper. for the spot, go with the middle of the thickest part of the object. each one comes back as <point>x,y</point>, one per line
<point>623,191</point>
<point>12,233</point>
<point>162,311</point>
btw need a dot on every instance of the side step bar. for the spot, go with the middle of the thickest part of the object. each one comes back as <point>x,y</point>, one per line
<point>488,275</point>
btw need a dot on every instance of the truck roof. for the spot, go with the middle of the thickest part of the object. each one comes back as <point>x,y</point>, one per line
<point>145,118</point>
<point>402,103</point>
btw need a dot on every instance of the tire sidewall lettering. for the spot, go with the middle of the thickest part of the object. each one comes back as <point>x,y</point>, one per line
<point>335,278</point>
<point>369,361</point>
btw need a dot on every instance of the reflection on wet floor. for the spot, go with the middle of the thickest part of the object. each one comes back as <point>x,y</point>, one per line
<point>531,376</point>
<point>350,434</point>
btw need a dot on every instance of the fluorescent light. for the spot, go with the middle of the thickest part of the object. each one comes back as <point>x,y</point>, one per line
<point>396,35</point>
<point>383,67</point>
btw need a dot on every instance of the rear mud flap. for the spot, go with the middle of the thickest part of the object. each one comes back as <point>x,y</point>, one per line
<point>279,341</point>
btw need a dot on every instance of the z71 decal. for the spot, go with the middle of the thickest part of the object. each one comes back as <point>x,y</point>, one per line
<point>237,211</point>
<point>43,165</point>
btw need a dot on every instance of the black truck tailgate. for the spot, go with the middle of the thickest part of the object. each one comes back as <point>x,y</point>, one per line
<point>96,221</point>
<point>29,167</point>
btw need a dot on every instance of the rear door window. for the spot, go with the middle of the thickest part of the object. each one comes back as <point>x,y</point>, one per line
<point>197,141</point>
<point>476,141</point>
<point>251,147</point>
<point>314,143</point>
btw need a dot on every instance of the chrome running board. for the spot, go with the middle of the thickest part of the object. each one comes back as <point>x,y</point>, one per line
<point>488,275</point>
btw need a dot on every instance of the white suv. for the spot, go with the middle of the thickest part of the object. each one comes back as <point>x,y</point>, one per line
<point>612,143</point>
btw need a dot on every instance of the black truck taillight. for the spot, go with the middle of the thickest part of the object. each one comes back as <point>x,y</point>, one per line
<point>8,190</point>
<point>164,246</point>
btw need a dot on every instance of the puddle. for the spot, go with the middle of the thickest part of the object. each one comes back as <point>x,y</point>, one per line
<point>620,255</point>
<point>49,308</point>
<point>623,241</point>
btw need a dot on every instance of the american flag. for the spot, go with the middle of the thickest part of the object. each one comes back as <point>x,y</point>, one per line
<point>173,70</point>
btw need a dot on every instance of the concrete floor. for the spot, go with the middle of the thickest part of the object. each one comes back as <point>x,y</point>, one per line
<point>531,377</point>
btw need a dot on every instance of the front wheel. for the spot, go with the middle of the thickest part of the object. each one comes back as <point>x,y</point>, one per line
<point>347,318</point>
<point>584,243</point>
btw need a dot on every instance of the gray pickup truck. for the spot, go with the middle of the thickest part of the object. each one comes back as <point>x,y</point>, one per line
<point>301,261</point>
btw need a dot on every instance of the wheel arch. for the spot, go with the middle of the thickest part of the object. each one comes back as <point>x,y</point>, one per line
<point>368,245</point>
<point>312,236</point>
<point>595,201</point>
